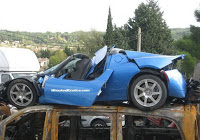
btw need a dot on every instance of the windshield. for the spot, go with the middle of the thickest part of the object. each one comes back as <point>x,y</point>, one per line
<point>58,66</point>
<point>50,69</point>
<point>99,55</point>
<point>71,66</point>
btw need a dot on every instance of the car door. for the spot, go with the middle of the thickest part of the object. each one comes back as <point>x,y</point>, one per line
<point>73,92</point>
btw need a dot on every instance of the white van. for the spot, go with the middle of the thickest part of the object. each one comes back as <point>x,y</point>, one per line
<point>17,62</point>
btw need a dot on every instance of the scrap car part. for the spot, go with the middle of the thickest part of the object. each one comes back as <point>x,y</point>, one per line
<point>4,111</point>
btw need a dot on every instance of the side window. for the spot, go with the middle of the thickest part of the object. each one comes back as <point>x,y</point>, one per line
<point>28,126</point>
<point>84,127</point>
<point>151,128</point>
<point>5,78</point>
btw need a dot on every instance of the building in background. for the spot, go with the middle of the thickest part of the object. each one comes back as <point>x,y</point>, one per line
<point>44,63</point>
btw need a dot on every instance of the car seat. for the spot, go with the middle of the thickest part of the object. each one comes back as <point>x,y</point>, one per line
<point>82,68</point>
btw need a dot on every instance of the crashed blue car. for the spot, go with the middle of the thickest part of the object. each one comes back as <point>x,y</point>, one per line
<point>145,80</point>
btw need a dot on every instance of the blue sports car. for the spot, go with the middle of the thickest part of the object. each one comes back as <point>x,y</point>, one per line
<point>143,79</point>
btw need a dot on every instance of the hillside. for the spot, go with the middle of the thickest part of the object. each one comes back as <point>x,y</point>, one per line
<point>35,39</point>
<point>47,39</point>
<point>178,33</point>
<point>74,39</point>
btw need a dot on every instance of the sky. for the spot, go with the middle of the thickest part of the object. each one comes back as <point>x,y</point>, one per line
<point>85,15</point>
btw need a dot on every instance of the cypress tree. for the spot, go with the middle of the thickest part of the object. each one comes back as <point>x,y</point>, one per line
<point>197,15</point>
<point>108,38</point>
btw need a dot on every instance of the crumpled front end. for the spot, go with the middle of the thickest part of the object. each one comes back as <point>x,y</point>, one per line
<point>177,86</point>
<point>193,91</point>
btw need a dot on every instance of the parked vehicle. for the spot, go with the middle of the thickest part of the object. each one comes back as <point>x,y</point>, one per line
<point>45,123</point>
<point>90,121</point>
<point>98,121</point>
<point>143,79</point>
<point>17,62</point>
<point>95,121</point>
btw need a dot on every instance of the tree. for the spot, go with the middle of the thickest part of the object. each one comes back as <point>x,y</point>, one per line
<point>156,36</point>
<point>187,65</point>
<point>57,58</point>
<point>190,45</point>
<point>121,37</point>
<point>186,44</point>
<point>195,33</point>
<point>197,15</point>
<point>94,41</point>
<point>108,38</point>
<point>44,53</point>
<point>68,51</point>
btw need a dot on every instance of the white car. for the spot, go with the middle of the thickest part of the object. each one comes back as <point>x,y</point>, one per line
<point>93,121</point>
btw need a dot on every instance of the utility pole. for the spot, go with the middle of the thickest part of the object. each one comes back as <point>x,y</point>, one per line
<point>139,40</point>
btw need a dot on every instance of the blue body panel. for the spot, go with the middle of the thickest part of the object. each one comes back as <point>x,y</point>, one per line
<point>73,92</point>
<point>118,72</point>
<point>117,85</point>
<point>148,60</point>
<point>177,84</point>
<point>123,71</point>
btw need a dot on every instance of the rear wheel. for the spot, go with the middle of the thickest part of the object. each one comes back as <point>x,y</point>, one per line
<point>98,123</point>
<point>21,93</point>
<point>148,92</point>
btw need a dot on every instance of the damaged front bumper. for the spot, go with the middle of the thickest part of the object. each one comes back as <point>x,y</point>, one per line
<point>193,91</point>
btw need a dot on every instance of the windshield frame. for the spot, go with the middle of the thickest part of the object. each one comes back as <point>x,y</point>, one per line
<point>55,69</point>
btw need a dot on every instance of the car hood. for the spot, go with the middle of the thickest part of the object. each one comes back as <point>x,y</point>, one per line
<point>156,61</point>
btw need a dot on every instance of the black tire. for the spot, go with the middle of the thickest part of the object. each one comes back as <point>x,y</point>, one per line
<point>98,123</point>
<point>21,93</point>
<point>148,92</point>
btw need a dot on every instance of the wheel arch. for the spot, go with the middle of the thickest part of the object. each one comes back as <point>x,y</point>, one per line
<point>97,119</point>
<point>144,71</point>
<point>26,79</point>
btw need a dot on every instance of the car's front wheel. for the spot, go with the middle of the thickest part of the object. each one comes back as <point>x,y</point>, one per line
<point>21,93</point>
<point>148,92</point>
